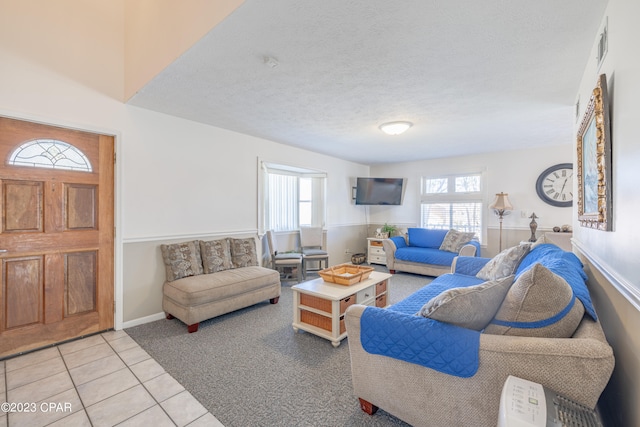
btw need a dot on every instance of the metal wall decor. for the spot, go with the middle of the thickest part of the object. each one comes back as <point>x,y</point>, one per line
<point>594,162</point>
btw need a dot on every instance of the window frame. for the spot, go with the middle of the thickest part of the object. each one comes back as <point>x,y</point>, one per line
<point>50,153</point>
<point>451,197</point>
<point>318,196</point>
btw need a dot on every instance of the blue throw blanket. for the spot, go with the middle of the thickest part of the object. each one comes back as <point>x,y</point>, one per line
<point>397,332</point>
<point>416,339</point>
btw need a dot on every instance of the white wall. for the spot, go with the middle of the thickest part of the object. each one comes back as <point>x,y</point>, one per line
<point>513,172</point>
<point>186,178</point>
<point>612,257</point>
<point>174,178</point>
<point>622,67</point>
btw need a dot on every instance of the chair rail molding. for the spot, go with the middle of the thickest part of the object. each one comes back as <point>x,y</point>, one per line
<point>193,236</point>
<point>631,293</point>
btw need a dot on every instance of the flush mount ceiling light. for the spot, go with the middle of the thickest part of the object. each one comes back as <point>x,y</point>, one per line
<point>395,128</point>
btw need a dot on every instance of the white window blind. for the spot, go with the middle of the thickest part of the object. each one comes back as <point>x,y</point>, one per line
<point>459,215</point>
<point>282,209</point>
<point>290,197</point>
<point>305,204</point>
<point>453,201</point>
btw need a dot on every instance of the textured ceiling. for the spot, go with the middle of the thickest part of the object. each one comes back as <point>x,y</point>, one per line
<point>473,76</point>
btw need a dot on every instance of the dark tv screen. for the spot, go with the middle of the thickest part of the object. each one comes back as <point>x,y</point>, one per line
<point>379,191</point>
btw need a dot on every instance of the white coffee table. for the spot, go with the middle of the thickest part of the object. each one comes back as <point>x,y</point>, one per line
<point>319,306</point>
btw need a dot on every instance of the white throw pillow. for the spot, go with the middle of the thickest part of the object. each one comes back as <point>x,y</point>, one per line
<point>454,240</point>
<point>505,263</point>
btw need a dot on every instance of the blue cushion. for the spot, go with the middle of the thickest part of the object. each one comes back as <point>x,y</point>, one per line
<point>425,255</point>
<point>426,238</point>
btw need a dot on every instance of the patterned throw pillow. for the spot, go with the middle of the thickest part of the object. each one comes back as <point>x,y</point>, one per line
<point>243,252</point>
<point>181,260</point>
<point>472,307</point>
<point>216,255</point>
<point>455,240</point>
<point>539,304</point>
<point>504,264</point>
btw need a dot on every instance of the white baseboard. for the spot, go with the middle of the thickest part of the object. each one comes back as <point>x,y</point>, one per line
<point>143,320</point>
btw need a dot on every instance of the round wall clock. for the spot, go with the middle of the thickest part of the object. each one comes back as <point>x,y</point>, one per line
<point>555,185</point>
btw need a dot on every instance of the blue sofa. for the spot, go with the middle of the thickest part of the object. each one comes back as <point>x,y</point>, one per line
<point>430,373</point>
<point>420,252</point>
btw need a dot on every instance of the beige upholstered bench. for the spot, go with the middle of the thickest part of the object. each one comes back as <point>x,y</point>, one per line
<point>208,279</point>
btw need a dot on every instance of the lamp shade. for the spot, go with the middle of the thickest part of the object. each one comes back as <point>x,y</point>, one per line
<point>501,202</point>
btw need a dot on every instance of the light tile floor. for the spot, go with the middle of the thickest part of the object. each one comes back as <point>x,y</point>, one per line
<point>102,380</point>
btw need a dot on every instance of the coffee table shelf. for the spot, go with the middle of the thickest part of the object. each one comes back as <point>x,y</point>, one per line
<point>319,306</point>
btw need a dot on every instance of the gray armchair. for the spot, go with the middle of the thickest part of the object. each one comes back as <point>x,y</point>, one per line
<point>312,244</point>
<point>282,260</point>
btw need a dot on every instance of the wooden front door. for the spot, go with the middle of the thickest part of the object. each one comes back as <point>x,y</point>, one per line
<point>56,235</point>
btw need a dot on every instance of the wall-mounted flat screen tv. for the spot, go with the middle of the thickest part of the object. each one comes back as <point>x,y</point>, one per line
<point>379,191</point>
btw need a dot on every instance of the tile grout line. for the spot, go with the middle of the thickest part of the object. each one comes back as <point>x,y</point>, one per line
<point>84,407</point>
<point>139,381</point>
<point>151,394</point>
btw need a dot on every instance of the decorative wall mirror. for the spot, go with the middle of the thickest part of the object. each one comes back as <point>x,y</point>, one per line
<point>594,162</point>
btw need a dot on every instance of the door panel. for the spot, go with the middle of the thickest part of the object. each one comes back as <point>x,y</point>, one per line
<point>22,206</point>
<point>81,206</point>
<point>81,282</point>
<point>56,239</point>
<point>24,283</point>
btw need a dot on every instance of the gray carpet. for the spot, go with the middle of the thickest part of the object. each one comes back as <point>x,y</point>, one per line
<point>249,368</point>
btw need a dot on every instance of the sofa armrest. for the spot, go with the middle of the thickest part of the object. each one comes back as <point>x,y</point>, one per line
<point>470,249</point>
<point>467,250</point>
<point>389,246</point>
<point>578,367</point>
<point>468,265</point>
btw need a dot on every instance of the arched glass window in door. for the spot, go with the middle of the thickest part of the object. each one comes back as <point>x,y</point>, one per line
<point>50,154</point>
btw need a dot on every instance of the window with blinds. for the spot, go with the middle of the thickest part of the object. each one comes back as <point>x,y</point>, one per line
<point>453,201</point>
<point>291,197</point>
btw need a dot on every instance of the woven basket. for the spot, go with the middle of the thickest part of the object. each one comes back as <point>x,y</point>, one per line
<point>358,258</point>
<point>345,274</point>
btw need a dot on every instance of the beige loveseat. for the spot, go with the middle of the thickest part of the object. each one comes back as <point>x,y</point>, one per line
<point>440,388</point>
<point>205,279</point>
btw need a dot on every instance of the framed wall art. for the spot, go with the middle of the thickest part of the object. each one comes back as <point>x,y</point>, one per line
<point>594,161</point>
